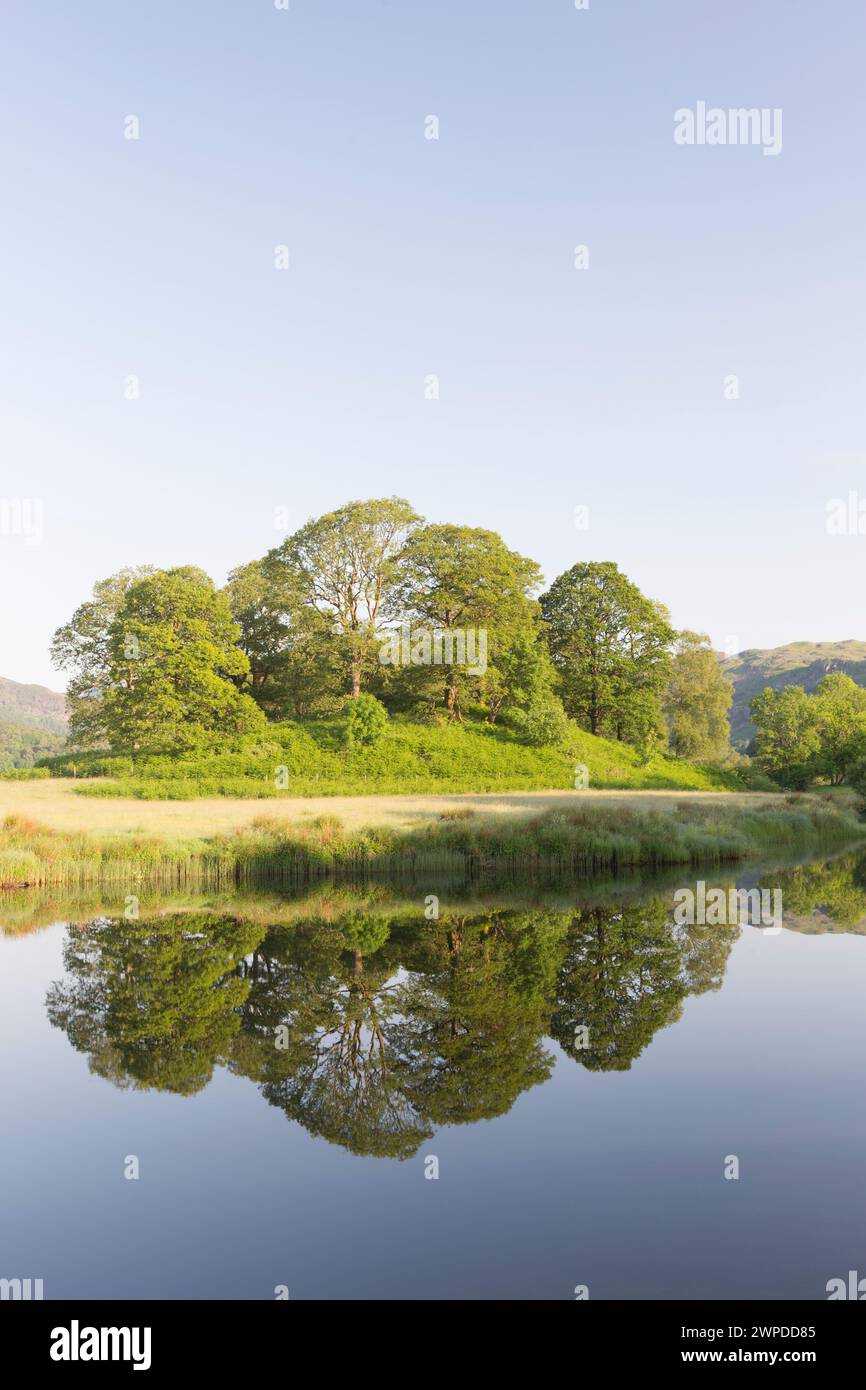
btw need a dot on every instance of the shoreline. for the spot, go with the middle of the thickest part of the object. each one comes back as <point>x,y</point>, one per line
<point>576,836</point>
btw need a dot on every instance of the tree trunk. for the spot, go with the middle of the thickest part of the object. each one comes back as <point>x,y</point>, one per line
<point>452,701</point>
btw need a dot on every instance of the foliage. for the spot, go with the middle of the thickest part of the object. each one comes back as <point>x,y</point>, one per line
<point>344,565</point>
<point>543,722</point>
<point>21,745</point>
<point>797,663</point>
<point>366,721</point>
<point>174,663</point>
<point>294,667</point>
<point>697,700</point>
<point>465,578</point>
<point>802,737</point>
<point>82,648</point>
<point>609,646</point>
<point>408,757</point>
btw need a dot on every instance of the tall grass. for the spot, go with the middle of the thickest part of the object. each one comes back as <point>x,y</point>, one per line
<point>586,841</point>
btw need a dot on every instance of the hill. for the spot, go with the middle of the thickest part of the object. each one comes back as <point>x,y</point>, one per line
<point>33,705</point>
<point>32,723</point>
<point>313,758</point>
<point>798,663</point>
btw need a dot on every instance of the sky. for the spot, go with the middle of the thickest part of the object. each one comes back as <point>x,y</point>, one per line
<point>268,395</point>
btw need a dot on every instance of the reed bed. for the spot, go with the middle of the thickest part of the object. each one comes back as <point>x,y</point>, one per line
<point>585,842</point>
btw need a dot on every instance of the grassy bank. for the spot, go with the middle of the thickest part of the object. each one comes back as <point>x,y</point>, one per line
<point>586,840</point>
<point>314,759</point>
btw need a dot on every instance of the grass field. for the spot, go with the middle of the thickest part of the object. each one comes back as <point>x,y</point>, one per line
<point>581,833</point>
<point>56,803</point>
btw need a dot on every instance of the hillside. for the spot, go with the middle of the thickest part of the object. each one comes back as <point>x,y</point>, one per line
<point>22,745</point>
<point>798,663</point>
<point>33,705</point>
<point>314,759</point>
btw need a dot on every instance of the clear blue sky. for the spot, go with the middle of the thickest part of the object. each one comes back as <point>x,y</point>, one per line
<point>558,388</point>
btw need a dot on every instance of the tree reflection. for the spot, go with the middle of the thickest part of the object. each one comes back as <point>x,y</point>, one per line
<point>373,1029</point>
<point>155,1004</point>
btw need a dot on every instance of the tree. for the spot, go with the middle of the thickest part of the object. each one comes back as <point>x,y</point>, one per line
<point>609,644</point>
<point>788,737</point>
<point>697,700</point>
<point>289,644</point>
<point>174,661</point>
<point>841,715</point>
<point>463,578</point>
<point>81,647</point>
<point>523,679</point>
<point>344,564</point>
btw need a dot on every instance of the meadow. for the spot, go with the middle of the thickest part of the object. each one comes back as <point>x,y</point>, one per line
<point>582,838</point>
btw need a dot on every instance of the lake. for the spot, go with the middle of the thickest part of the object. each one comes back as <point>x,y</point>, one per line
<point>339,1094</point>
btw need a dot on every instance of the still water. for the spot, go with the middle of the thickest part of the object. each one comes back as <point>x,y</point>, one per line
<point>540,1089</point>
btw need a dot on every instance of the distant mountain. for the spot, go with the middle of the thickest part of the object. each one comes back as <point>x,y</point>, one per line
<point>799,663</point>
<point>33,705</point>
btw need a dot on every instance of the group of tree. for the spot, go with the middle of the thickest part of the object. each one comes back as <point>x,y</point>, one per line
<point>803,738</point>
<point>160,659</point>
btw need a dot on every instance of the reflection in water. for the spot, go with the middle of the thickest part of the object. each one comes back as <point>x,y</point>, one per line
<point>370,1026</point>
<point>369,1030</point>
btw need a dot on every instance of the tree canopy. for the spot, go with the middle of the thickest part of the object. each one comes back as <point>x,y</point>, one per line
<point>610,646</point>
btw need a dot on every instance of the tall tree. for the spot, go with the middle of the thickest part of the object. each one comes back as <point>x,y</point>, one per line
<point>788,738</point>
<point>464,577</point>
<point>697,700</point>
<point>81,647</point>
<point>609,644</point>
<point>289,643</point>
<point>174,664</point>
<point>841,726</point>
<point>345,566</point>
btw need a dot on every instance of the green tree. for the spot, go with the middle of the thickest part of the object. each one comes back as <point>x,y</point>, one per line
<point>609,644</point>
<point>344,565</point>
<point>697,700</point>
<point>289,643</point>
<point>788,737</point>
<point>82,648</point>
<point>174,664</point>
<point>465,578</point>
<point>841,714</point>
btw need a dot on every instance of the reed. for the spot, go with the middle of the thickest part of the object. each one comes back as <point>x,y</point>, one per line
<point>584,842</point>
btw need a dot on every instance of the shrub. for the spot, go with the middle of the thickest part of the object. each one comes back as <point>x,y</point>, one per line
<point>544,724</point>
<point>366,722</point>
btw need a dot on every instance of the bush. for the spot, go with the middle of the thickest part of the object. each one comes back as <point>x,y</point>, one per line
<point>544,724</point>
<point>366,722</point>
<point>856,777</point>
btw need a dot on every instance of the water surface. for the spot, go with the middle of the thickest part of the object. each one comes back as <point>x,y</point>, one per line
<point>580,1069</point>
